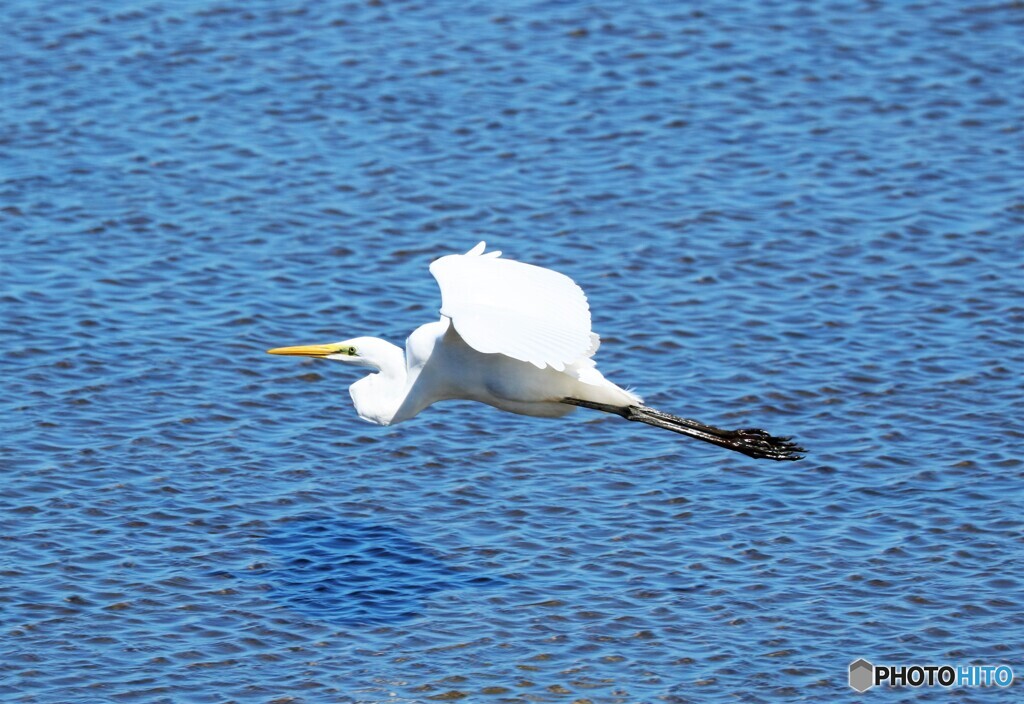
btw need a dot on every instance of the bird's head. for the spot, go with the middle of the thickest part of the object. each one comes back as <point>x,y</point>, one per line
<point>359,351</point>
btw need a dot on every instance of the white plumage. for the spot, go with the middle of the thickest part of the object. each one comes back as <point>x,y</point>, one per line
<point>501,306</point>
<point>514,336</point>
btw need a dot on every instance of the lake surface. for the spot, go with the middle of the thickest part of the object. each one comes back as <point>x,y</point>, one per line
<point>804,217</point>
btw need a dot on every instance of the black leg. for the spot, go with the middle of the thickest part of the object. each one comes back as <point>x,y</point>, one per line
<point>752,442</point>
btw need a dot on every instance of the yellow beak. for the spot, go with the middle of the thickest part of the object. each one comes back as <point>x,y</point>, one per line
<point>307,350</point>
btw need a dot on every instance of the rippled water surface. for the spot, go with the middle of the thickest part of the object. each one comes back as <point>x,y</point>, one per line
<point>806,217</point>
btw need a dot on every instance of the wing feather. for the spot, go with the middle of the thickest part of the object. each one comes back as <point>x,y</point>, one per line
<point>523,311</point>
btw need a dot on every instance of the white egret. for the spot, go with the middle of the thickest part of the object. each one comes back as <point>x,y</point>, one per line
<point>514,336</point>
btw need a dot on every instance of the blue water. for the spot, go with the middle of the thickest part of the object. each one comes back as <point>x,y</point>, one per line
<point>805,217</point>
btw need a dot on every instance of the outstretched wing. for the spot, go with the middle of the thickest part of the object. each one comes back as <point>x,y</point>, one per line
<point>526,312</point>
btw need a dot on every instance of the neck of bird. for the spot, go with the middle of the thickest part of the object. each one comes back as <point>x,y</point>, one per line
<point>378,397</point>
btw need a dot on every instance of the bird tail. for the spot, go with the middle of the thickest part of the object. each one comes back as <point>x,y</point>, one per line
<point>752,442</point>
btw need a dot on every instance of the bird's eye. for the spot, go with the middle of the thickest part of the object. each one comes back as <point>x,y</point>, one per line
<point>352,351</point>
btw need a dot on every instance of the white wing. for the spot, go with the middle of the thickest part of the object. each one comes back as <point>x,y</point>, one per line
<point>526,312</point>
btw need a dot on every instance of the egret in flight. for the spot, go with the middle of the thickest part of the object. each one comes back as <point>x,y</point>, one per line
<point>514,336</point>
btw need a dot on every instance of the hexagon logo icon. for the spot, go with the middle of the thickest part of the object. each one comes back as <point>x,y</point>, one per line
<point>862,675</point>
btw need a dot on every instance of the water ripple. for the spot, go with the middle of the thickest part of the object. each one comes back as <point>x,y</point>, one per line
<point>799,217</point>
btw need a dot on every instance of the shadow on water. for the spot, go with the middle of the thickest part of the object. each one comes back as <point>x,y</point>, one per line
<point>355,572</point>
